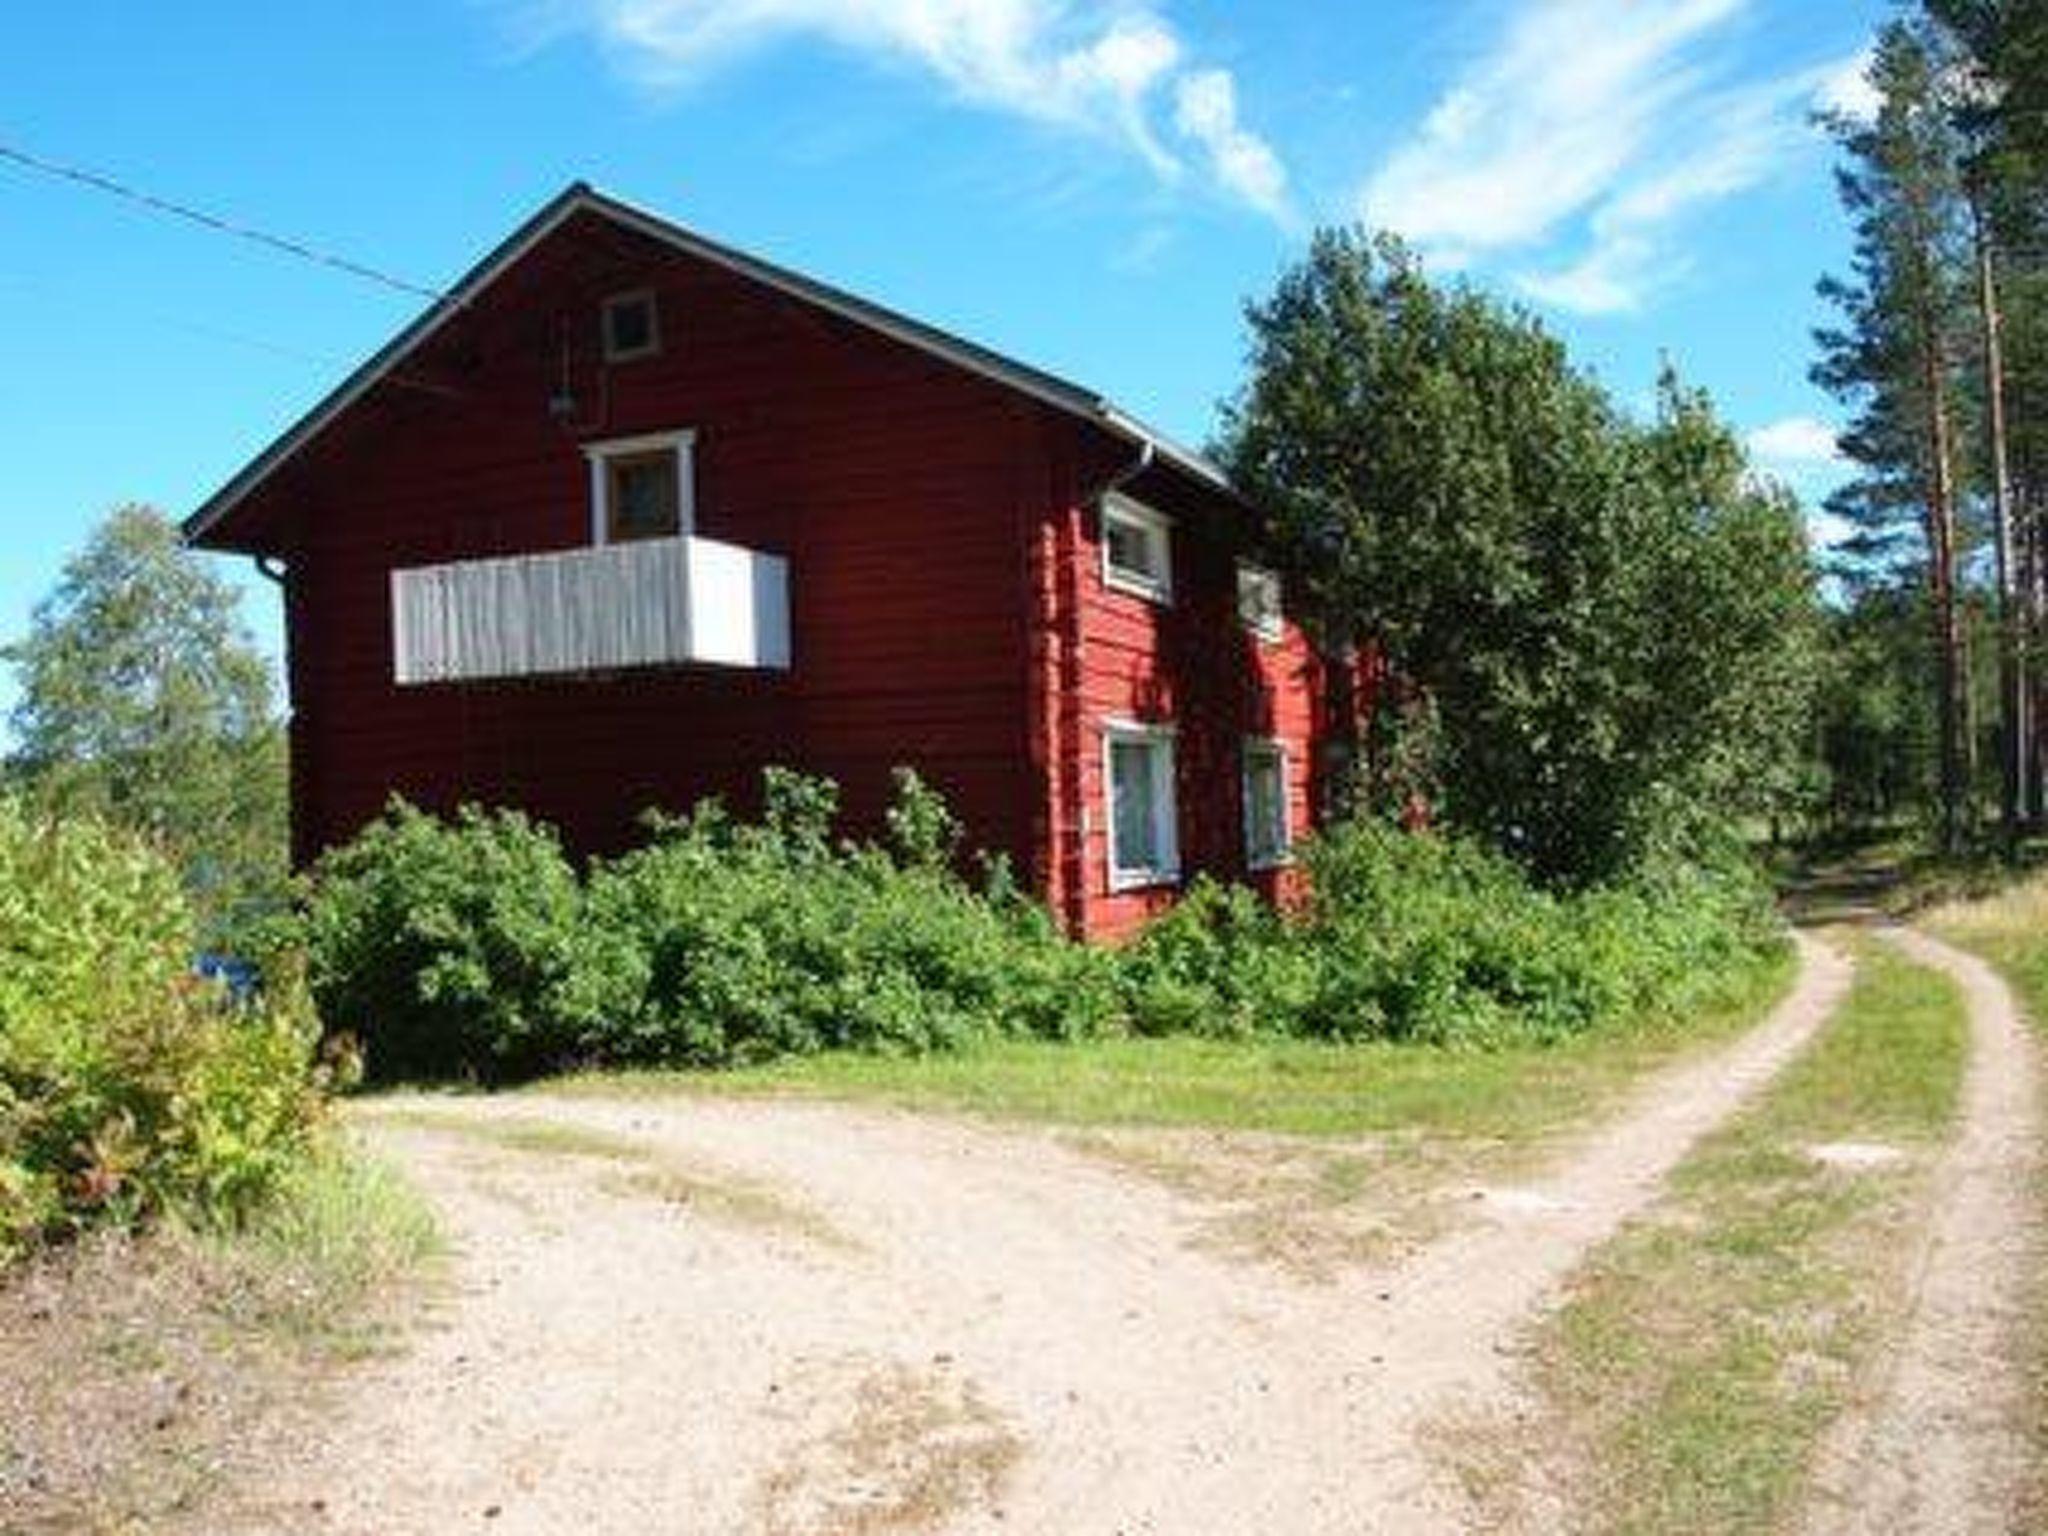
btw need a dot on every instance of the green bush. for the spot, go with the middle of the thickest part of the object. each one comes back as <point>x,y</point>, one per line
<point>128,1086</point>
<point>455,949</point>
<point>748,942</point>
<point>470,948</point>
<point>1437,939</point>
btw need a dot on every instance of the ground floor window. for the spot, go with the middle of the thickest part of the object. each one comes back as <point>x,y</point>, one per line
<point>1144,846</point>
<point>1265,803</point>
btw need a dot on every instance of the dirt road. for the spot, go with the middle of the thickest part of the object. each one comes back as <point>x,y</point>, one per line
<point>709,1316</point>
<point>1940,1437</point>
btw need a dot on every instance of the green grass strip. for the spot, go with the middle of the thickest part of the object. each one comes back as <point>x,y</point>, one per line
<point>1261,1084</point>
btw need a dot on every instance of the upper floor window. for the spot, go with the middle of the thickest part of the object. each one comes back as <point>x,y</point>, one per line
<point>1137,549</point>
<point>1266,834</point>
<point>1258,601</point>
<point>642,487</point>
<point>632,326</point>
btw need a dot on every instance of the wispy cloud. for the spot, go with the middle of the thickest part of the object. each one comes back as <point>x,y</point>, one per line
<point>1800,444</point>
<point>1845,88</point>
<point>1544,125</point>
<point>1591,128</point>
<point>1120,71</point>
<point>1205,111</point>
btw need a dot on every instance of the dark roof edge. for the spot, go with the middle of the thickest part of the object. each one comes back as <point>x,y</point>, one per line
<point>579,196</point>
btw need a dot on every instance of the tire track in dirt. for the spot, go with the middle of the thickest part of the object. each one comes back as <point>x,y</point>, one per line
<point>1938,1441</point>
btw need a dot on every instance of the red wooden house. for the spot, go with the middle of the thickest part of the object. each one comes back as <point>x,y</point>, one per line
<point>629,515</point>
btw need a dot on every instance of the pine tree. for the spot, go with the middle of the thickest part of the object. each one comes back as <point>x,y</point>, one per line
<point>1896,360</point>
<point>2002,50</point>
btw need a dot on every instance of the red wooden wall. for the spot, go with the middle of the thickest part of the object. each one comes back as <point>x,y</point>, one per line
<point>898,488</point>
<point>1191,665</point>
<point>945,581</point>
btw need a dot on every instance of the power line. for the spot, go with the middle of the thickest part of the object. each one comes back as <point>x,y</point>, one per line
<point>214,222</point>
<point>212,332</point>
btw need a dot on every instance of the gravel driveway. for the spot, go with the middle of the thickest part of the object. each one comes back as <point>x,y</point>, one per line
<point>703,1315</point>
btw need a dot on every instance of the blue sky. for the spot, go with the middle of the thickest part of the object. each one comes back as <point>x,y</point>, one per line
<point>1096,188</point>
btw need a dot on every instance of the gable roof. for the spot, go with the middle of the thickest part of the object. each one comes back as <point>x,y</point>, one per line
<point>578,198</point>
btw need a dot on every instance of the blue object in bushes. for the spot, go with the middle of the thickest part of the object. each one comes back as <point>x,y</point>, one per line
<point>239,976</point>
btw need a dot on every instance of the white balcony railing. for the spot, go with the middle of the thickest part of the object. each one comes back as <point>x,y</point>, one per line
<point>652,602</point>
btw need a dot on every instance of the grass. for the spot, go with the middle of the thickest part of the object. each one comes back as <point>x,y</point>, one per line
<point>1699,1355</point>
<point>138,1367</point>
<point>639,1171</point>
<point>917,1449</point>
<point>2009,928</point>
<point>312,1265</point>
<point>1290,1087</point>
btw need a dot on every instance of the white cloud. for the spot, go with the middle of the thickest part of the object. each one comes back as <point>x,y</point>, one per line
<point>1796,444</point>
<point>1610,279</point>
<point>1543,127</point>
<point>1586,134</point>
<point>1845,88</point>
<point>1092,68</point>
<point>1742,138</point>
<point>1205,110</point>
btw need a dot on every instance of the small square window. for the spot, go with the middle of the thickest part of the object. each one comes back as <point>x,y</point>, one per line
<point>1266,840</point>
<point>642,487</point>
<point>632,327</point>
<point>1137,549</point>
<point>642,500</point>
<point>1258,601</point>
<point>1144,847</point>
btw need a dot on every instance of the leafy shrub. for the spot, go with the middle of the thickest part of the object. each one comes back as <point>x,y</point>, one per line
<point>454,948</point>
<point>127,1086</point>
<point>1439,940</point>
<point>1221,962</point>
<point>471,948</point>
<point>749,942</point>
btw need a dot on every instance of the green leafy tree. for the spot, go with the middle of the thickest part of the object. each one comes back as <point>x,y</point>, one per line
<point>144,701</point>
<point>1876,728</point>
<point>1611,623</point>
<point>1730,653</point>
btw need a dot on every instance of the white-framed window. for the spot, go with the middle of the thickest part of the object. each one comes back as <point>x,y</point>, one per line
<point>1258,601</point>
<point>642,487</point>
<point>1267,842</point>
<point>1138,786</point>
<point>1137,549</point>
<point>630,324</point>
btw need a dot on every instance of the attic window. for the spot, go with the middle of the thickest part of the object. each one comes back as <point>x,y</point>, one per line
<point>632,326</point>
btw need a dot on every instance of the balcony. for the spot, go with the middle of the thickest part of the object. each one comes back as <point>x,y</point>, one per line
<point>649,603</point>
